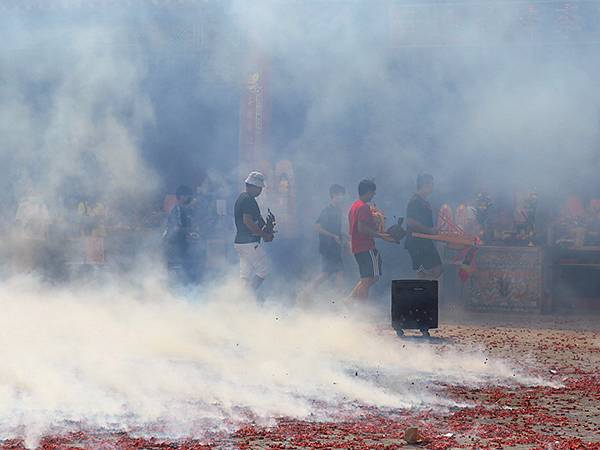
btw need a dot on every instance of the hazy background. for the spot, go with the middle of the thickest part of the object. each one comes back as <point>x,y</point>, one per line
<point>500,93</point>
<point>123,101</point>
<point>127,100</point>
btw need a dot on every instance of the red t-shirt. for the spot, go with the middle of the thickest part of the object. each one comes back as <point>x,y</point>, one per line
<point>361,212</point>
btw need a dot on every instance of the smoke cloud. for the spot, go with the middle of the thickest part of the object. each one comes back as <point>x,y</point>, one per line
<point>133,357</point>
<point>496,95</point>
<point>122,102</point>
<point>72,109</point>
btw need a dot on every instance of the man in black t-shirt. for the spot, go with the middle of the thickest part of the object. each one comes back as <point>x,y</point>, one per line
<point>419,218</point>
<point>329,227</point>
<point>249,224</point>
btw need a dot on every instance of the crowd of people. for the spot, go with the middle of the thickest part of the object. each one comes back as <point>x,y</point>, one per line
<point>61,237</point>
<point>363,230</point>
<point>189,219</point>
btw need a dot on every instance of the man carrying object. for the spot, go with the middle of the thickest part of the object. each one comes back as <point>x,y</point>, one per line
<point>249,224</point>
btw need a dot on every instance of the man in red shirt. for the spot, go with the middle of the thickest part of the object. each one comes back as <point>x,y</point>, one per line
<point>363,230</point>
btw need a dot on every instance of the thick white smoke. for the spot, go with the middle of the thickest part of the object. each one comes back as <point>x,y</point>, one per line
<point>130,355</point>
<point>134,357</point>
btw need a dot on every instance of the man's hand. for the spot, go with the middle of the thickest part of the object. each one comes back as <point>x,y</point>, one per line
<point>387,237</point>
<point>268,237</point>
<point>338,240</point>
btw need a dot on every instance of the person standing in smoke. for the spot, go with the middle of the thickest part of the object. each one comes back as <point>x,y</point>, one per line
<point>329,227</point>
<point>419,219</point>
<point>204,218</point>
<point>177,237</point>
<point>363,230</point>
<point>249,224</point>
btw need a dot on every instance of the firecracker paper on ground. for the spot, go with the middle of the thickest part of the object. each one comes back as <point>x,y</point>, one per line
<point>566,352</point>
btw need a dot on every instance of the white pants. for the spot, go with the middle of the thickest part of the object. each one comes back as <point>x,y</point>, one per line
<point>253,260</point>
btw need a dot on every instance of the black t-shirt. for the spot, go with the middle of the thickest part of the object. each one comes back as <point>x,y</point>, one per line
<point>420,210</point>
<point>246,204</point>
<point>331,220</point>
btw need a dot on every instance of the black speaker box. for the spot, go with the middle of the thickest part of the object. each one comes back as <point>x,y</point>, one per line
<point>414,304</point>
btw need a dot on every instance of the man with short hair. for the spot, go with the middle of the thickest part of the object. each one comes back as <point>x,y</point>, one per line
<point>249,224</point>
<point>363,231</point>
<point>419,219</point>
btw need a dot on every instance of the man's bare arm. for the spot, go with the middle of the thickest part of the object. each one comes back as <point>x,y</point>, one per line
<point>324,232</point>
<point>366,229</point>
<point>417,227</point>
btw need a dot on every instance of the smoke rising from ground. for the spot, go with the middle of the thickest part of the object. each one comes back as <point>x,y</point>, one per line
<point>134,357</point>
<point>356,92</point>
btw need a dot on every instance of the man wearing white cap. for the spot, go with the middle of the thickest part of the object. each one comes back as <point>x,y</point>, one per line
<point>249,224</point>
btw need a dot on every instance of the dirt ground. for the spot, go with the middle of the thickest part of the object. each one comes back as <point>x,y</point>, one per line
<point>562,349</point>
<point>565,350</point>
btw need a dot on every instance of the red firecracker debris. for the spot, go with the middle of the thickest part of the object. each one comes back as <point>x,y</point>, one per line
<point>563,416</point>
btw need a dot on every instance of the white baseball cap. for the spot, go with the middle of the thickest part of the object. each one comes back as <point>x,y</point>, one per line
<point>256,179</point>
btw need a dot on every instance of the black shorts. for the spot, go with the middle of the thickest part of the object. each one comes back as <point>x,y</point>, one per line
<point>369,263</point>
<point>331,263</point>
<point>424,256</point>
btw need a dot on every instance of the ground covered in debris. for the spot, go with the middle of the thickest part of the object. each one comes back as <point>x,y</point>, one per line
<point>565,351</point>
